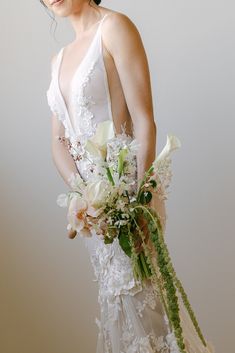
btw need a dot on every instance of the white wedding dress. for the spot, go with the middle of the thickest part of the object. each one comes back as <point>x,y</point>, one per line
<point>132,319</point>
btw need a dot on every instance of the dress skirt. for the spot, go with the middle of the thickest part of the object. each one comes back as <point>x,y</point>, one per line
<point>132,318</point>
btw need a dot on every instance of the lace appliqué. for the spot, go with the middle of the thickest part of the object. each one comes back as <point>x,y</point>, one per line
<point>164,344</point>
<point>115,278</point>
<point>114,274</point>
<point>131,343</point>
<point>136,344</point>
<point>149,300</point>
<point>113,270</point>
<point>82,111</point>
<point>150,343</point>
<point>82,107</point>
<point>85,125</point>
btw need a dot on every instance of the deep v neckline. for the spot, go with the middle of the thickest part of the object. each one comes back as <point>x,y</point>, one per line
<point>77,70</point>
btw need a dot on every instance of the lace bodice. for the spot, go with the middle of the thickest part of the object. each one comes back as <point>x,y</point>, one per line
<point>89,96</point>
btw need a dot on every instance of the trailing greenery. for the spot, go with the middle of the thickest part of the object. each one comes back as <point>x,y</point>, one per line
<point>171,282</point>
<point>110,205</point>
<point>177,281</point>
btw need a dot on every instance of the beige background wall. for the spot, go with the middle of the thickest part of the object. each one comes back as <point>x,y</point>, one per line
<point>48,299</point>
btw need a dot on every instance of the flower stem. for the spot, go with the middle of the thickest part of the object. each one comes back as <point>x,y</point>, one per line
<point>109,175</point>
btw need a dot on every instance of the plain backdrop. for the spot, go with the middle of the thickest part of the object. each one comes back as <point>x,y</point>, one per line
<point>48,296</point>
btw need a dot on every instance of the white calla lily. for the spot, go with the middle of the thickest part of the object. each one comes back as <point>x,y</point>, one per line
<point>162,165</point>
<point>96,145</point>
<point>172,144</point>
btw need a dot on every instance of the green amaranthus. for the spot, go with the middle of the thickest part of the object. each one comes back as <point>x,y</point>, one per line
<point>159,268</point>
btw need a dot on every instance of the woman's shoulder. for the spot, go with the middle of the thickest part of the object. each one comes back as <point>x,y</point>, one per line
<point>119,30</point>
<point>117,19</point>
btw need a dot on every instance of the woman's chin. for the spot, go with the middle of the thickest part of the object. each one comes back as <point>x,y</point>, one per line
<point>62,8</point>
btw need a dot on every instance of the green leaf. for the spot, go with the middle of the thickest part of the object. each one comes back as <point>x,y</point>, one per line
<point>145,197</point>
<point>153,183</point>
<point>108,240</point>
<point>109,175</point>
<point>145,265</point>
<point>125,242</point>
<point>152,227</point>
<point>121,158</point>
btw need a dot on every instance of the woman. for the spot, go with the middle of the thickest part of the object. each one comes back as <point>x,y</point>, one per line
<point>103,75</point>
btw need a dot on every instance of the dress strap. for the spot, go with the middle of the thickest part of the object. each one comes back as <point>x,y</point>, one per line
<point>102,19</point>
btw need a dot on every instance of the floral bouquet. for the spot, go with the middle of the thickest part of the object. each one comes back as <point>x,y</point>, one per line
<point>110,205</point>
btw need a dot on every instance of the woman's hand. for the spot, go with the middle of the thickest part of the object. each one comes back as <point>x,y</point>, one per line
<point>60,154</point>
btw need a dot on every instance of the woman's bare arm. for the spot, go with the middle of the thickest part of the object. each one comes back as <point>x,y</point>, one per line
<point>124,43</point>
<point>60,154</point>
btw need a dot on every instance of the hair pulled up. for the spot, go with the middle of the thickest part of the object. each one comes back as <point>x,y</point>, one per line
<point>97,2</point>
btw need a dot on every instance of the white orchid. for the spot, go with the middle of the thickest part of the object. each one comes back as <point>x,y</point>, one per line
<point>62,200</point>
<point>75,181</point>
<point>76,216</point>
